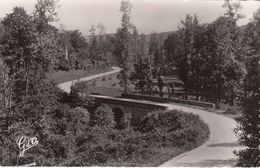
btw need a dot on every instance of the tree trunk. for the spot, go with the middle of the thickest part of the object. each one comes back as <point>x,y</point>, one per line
<point>232,97</point>
<point>26,84</point>
<point>168,90</point>
<point>125,83</point>
<point>186,94</point>
<point>161,91</point>
<point>197,88</point>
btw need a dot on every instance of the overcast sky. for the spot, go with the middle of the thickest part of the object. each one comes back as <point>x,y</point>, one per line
<point>147,15</point>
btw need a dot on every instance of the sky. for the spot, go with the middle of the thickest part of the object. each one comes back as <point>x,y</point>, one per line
<point>147,15</point>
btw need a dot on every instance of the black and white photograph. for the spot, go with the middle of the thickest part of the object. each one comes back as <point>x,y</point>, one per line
<point>129,83</point>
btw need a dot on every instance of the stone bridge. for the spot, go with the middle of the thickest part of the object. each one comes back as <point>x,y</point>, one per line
<point>129,109</point>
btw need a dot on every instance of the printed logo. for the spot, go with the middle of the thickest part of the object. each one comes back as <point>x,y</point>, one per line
<point>24,143</point>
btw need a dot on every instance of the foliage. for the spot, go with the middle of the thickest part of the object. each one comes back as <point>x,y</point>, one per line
<point>143,75</point>
<point>100,46</point>
<point>103,117</point>
<point>156,52</point>
<point>122,46</point>
<point>210,59</point>
<point>233,9</point>
<point>78,97</point>
<point>218,61</point>
<point>248,131</point>
<point>160,85</point>
<point>228,109</point>
<point>173,129</point>
<point>103,146</point>
<point>248,124</point>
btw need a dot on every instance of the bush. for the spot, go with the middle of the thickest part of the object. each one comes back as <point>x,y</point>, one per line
<point>173,129</point>
<point>78,97</point>
<point>102,145</point>
<point>103,117</point>
<point>79,120</point>
<point>234,110</point>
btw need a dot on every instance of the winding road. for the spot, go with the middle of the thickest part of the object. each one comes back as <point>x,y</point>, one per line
<point>217,151</point>
<point>66,85</point>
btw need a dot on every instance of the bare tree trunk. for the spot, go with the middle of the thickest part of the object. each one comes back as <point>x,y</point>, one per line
<point>168,90</point>
<point>197,88</point>
<point>5,89</point>
<point>10,98</point>
<point>186,94</point>
<point>26,84</point>
<point>232,97</point>
<point>125,83</point>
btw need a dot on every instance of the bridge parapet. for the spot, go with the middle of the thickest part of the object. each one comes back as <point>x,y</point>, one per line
<point>129,102</point>
<point>131,108</point>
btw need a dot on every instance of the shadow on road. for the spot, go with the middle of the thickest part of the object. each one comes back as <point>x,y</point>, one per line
<point>212,163</point>
<point>232,144</point>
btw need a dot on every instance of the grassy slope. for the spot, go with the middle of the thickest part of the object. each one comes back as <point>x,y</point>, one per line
<point>63,76</point>
<point>108,86</point>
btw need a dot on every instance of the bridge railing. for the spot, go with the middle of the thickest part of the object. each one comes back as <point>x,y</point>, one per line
<point>129,102</point>
<point>167,100</point>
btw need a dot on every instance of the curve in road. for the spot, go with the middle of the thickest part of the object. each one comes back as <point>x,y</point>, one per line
<point>217,151</point>
<point>66,85</point>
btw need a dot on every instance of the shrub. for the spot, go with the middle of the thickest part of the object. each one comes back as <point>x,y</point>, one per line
<point>79,120</point>
<point>103,117</point>
<point>234,110</point>
<point>78,97</point>
<point>102,145</point>
<point>174,129</point>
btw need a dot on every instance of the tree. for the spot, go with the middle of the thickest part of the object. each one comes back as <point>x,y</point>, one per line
<point>186,50</point>
<point>80,118</point>
<point>65,47</point>
<point>248,124</point>
<point>78,45</point>
<point>102,48</point>
<point>220,54</point>
<point>123,49</point>
<point>28,54</point>
<point>143,46</point>
<point>45,12</point>
<point>170,46</point>
<point>143,75</point>
<point>135,44</point>
<point>232,10</point>
<point>99,46</point>
<point>16,45</point>
<point>93,46</point>
<point>160,85</point>
<point>77,40</point>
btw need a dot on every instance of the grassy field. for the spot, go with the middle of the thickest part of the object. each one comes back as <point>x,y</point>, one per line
<point>108,85</point>
<point>63,76</point>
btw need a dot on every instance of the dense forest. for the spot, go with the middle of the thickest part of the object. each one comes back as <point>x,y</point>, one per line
<point>218,62</point>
